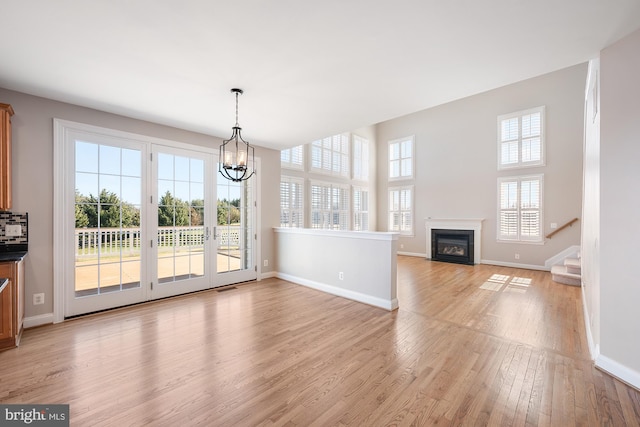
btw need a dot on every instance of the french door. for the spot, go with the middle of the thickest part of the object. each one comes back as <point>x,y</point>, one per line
<point>235,231</point>
<point>179,218</point>
<point>105,257</point>
<point>144,220</point>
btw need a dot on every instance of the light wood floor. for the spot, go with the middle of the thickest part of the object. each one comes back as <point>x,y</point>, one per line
<point>470,345</point>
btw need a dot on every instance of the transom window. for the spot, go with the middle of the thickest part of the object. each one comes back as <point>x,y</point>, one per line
<point>360,158</point>
<point>521,139</point>
<point>330,155</point>
<point>401,158</point>
<point>292,158</point>
<point>520,208</point>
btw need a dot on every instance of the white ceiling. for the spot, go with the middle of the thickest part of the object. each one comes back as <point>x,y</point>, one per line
<point>308,69</point>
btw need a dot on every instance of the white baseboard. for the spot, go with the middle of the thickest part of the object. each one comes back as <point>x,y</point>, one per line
<point>39,320</point>
<point>604,363</point>
<point>415,254</point>
<point>268,275</point>
<point>514,265</point>
<point>594,349</point>
<point>619,371</point>
<point>344,293</point>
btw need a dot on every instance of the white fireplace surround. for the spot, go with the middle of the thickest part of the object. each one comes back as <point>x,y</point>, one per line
<point>474,224</point>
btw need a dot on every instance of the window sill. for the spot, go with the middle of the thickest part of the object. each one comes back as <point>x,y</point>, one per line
<point>524,242</point>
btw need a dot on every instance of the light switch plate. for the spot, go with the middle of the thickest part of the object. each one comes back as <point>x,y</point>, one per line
<point>13,230</point>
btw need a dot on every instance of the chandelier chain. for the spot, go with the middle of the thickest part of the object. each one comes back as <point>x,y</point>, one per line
<point>237,125</point>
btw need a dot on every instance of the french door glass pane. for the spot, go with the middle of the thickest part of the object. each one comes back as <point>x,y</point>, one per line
<point>180,239</point>
<point>234,227</point>
<point>107,218</point>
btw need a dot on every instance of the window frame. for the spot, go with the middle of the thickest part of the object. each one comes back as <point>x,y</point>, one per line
<point>403,232</point>
<point>360,158</point>
<point>401,158</point>
<point>328,155</point>
<point>357,216</point>
<point>330,212</point>
<point>519,237</point>
<point>300,211</point>
<point>288,155</point>
<point>519,140</point>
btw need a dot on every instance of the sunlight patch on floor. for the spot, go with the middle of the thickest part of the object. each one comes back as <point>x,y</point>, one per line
<point>497,281</point>
<point>518,285</point>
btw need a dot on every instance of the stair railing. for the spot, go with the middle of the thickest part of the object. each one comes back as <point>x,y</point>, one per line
<point>554,232</point>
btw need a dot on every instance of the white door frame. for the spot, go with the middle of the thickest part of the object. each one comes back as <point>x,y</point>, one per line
<point>63,268</point>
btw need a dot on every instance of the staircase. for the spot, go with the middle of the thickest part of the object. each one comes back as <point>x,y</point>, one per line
<point>568,273</point>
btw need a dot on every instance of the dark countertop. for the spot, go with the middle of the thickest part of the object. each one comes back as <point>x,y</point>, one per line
<point>3,282</point>
<point>12,256</point>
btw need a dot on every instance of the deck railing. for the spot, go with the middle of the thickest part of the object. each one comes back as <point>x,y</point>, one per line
<point>115,241</point>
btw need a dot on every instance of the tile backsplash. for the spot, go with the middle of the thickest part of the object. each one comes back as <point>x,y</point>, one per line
<point>14,218</point>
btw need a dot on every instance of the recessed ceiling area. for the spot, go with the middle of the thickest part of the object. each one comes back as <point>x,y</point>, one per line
<point>308,70</point>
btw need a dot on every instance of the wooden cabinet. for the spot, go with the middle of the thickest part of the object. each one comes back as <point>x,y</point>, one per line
<point>6,313</point>
<point>6,111</point>
<point>12,304</point>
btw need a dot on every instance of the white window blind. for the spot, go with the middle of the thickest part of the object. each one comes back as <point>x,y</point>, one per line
<point>291,202</point>
<point>329,206</point>
<point>401,209</point>
<point>521,139</point>
<point>360,209</point>
<point>292,158</point>
<point>520,208</point>
<point>331,155</point>
<point>401,158</point>
<point>360,158</point>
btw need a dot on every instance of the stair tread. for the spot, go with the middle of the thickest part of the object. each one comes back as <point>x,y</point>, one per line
<point>561,270</point>
<point>573,262</point>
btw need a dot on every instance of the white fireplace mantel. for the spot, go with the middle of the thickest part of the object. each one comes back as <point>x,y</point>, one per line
<point>474,224</point>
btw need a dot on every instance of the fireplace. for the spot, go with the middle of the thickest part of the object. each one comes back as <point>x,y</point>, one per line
<point>452,246</point>
<point>471,226</point>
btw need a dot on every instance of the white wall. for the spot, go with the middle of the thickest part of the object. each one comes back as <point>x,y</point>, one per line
<point>456,162</point>
<point>32,157</point>
<point>620,208</point>
<point>591,209</point>
<point>358,265</point>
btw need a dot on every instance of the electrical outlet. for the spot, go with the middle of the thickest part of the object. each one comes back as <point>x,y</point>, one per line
<point>265,263</point>
<point>517,256</point>
<point>554,225</point>
<point>38,299</point>
<point>401,246</point>
<point>13,230</point>
<point>341,275</point>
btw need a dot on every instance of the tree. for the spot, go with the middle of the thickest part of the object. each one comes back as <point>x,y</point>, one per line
<point>172,211</point>
<point>82,220</point>
<point>197,212</point>
<point>228,211</point>
<point>112,211</point>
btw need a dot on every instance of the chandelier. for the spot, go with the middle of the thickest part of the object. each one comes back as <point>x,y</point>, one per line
<point>237,157</point>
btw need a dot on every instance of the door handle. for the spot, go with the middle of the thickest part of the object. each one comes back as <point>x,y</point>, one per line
<point>208,234</point>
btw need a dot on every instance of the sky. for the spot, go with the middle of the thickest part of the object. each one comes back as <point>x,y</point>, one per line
<point>120,171</point>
